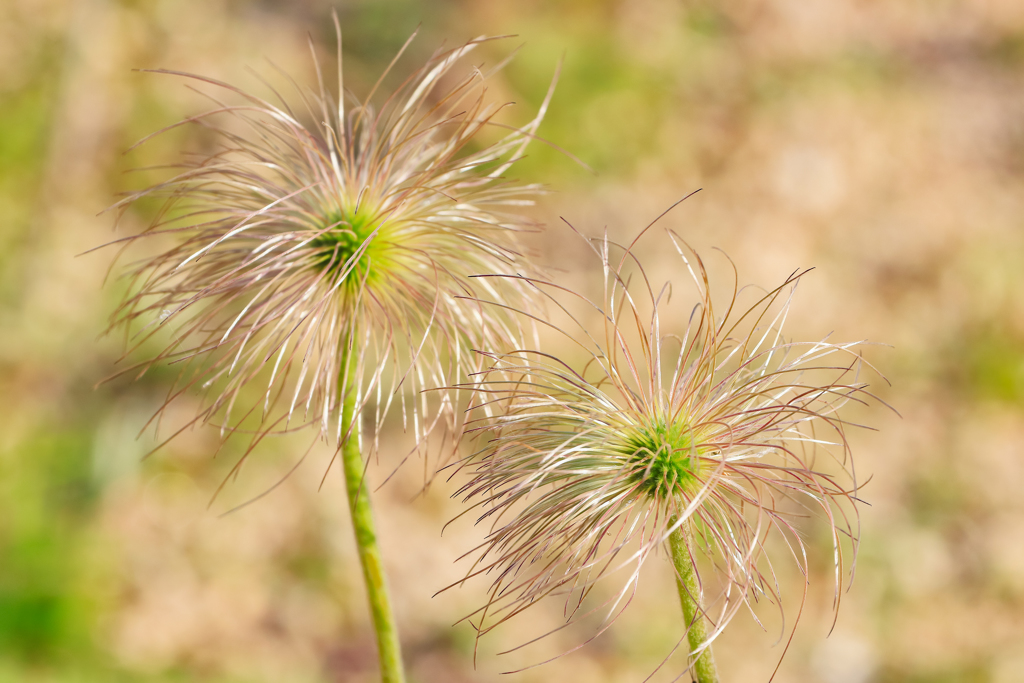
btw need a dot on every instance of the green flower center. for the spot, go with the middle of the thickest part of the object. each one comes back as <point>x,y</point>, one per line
<point>352,245</point>
<point>662,457</point>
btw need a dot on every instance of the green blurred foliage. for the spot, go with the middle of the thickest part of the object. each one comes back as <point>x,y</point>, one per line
<point>991,365</point>
<point>44,614</point>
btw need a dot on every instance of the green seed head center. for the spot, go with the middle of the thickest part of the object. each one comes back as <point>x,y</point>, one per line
<point>351,242</point>
<point>662,457</point>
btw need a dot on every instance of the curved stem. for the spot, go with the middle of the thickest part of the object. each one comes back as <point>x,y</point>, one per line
<point>388,645</point>
<point>680,542</point>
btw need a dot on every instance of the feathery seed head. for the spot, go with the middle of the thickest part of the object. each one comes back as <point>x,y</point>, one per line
<point>295,246</point>
<point>678,416</point>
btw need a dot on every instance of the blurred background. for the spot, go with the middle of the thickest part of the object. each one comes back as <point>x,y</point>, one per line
<point>880,142</point>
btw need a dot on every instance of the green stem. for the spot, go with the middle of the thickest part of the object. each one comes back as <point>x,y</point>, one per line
<point>680,542</point>
<point>388,646</point>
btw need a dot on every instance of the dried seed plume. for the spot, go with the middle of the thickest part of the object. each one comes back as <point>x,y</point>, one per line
<point>322,226</point>
<point>699,413</point>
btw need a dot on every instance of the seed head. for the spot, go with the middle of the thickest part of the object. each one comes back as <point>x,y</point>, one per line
<point>677,416</point>
<point>332,229</point>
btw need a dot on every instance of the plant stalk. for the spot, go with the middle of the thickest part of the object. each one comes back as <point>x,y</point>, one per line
<point>388,646</point>
<point>681,544</point>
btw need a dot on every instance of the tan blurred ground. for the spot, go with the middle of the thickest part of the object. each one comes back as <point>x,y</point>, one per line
<point>881,142</point>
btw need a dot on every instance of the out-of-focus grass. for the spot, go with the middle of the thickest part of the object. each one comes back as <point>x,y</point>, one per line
<point>41,612</point>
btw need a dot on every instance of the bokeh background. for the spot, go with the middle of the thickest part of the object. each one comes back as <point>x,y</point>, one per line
<point>881,142</point>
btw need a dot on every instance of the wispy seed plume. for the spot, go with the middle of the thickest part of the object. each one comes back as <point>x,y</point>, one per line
<point>320,224</point>
<point>674,414</point>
